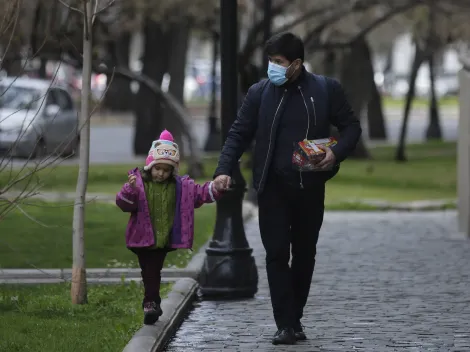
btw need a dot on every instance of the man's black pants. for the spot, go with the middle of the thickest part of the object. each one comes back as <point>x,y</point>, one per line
<point>290,219</point>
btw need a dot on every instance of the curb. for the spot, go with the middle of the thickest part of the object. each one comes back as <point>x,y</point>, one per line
<point>91,281</point>
<point>94,273</point>
<point>153,338</point>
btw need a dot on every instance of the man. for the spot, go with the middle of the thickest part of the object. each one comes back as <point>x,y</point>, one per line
<point>291,106</point>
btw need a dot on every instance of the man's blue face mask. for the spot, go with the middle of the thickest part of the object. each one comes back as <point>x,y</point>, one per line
<point>277,73</point>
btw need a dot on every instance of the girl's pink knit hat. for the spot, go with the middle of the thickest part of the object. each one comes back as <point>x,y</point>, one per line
<point>163,151</point>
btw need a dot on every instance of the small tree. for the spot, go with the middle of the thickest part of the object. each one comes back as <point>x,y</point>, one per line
<point>91,8</point>
<point>79,288</point>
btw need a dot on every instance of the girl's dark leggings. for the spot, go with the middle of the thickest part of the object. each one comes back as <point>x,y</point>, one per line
<point>151,264</point>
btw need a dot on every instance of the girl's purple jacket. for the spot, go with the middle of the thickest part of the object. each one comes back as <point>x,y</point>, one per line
<point>189,195</point>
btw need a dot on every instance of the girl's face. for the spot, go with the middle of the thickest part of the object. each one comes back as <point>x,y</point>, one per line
<point>161,172</point>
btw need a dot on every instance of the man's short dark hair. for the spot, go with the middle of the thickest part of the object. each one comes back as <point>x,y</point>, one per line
<point>286,44</point>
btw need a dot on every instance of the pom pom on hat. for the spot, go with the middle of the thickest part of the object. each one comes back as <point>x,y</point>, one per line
<point>166,136</point>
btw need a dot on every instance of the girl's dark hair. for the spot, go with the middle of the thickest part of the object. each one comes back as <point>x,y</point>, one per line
<point>286,44</point>
<point>146,174</point>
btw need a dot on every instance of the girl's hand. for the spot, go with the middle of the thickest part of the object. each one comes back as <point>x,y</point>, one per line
<point>131,180</point>
<point>222,183</point>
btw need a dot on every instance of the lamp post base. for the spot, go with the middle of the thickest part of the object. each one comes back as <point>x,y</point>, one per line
<point>229,270</point>
<point>229,274</point>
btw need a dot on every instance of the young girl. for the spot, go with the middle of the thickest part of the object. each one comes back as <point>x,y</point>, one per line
<point>162,206</point>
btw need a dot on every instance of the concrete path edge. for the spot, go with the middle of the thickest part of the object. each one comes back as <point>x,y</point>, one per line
<point>153,338</point>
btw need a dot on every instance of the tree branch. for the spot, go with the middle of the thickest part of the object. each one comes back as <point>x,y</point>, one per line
<point>96,12</point>
<point>70,7</point>
<point>12,33</point>
<point>366,30</point>
<point>304,17</point>
<point>251,43</point>
<point>312,37</point>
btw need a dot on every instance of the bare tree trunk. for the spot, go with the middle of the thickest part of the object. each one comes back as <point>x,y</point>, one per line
<point>375,115</point>
<point>176,70</point>
<point>434,130</point>
<point>356,84</point>
<point>329,63</point>
<point>213,139</point>
<point>42,73</point>
<point>11,64</point>
<point>179,125</point>
<point>389,61</point>
<point>417,62</point>
<point>332,65</point>
<point>119,96</point>
<point>79,284</point>
<point>149,110</point>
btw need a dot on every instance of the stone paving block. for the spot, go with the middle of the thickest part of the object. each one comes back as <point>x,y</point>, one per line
<point>383,282</point>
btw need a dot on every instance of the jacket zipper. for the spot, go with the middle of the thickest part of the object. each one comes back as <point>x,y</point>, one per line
<point>308,113</point>
<point>314,111</point>
<point>271,134</point>
<point>308,126</point>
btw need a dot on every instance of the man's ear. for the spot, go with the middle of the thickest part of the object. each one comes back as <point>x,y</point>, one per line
<point>298,64</point>
<point>294,67</point>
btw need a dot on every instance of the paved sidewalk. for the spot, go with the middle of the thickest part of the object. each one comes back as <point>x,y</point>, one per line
<point>384,282</point>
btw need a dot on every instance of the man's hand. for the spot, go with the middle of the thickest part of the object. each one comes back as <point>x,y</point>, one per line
<point>222,183</point>
<point>328,161</point>
<point>131,180</point>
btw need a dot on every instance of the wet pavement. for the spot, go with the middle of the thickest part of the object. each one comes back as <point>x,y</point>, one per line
<point>383,282</point>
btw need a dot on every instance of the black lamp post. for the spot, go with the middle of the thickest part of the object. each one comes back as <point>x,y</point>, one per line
<point>213,133</point>
<point>229,269</point>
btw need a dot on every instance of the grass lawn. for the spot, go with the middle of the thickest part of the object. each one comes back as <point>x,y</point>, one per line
<point>107,178</point>
<point>390,102</point>
<point>25,243</point>
<point>430,173</point>
<point>42,319</point>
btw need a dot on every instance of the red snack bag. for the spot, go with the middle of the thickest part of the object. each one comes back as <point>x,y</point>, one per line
<point>307,153</point>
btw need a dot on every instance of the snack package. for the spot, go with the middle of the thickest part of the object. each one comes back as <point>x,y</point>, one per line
<point>307,153</point>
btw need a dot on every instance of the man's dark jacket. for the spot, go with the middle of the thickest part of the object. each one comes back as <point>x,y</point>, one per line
<point>320,100</point>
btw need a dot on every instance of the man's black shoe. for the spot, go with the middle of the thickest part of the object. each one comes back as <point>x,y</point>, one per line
<point>299,332</point>
<point>285,336</point>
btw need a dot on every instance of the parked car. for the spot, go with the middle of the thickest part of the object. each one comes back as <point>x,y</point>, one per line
<point>37,118</point>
